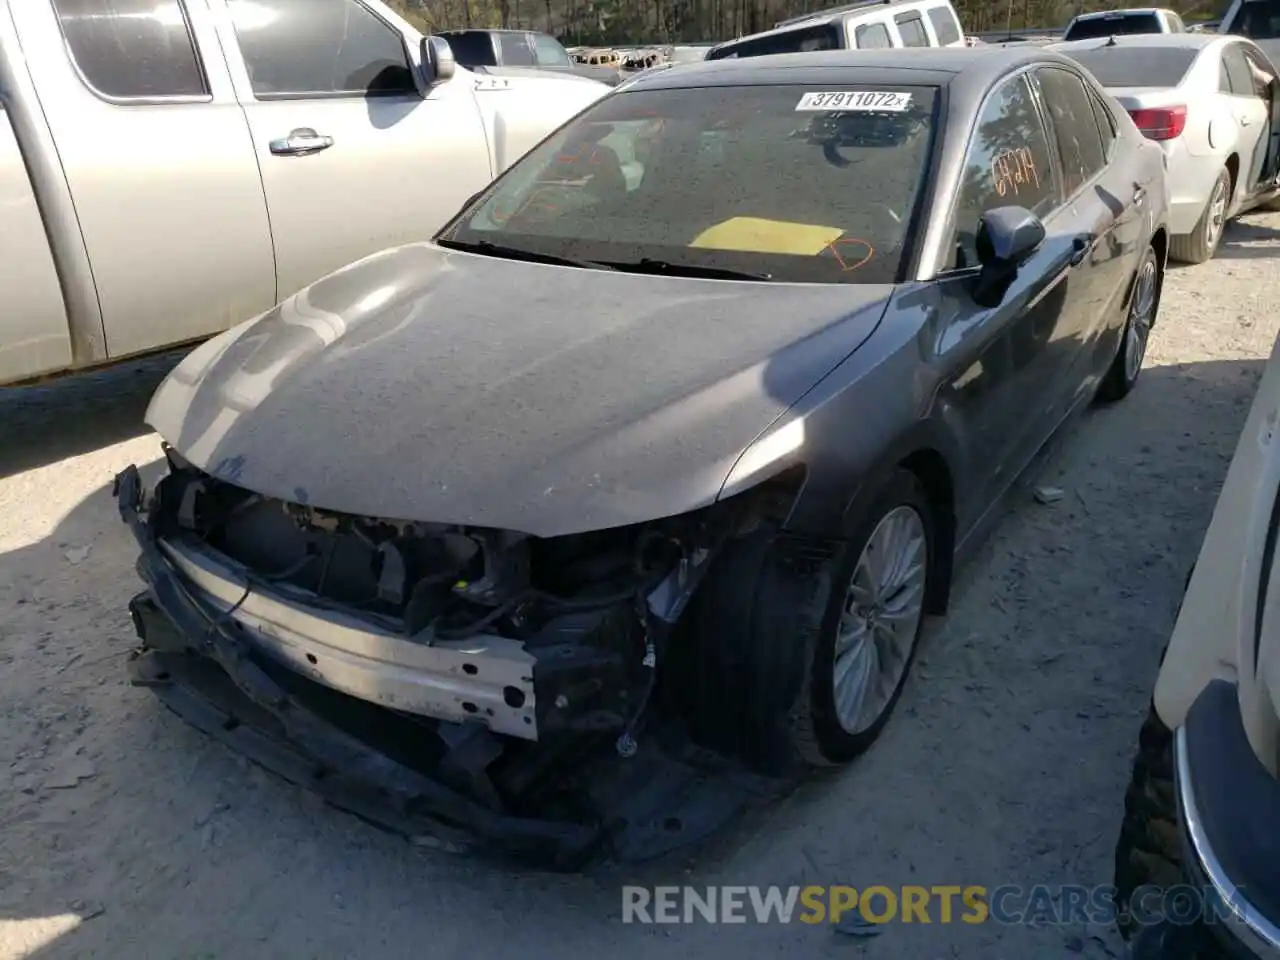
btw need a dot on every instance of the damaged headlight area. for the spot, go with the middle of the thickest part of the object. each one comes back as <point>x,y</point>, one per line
<point>504,659</point>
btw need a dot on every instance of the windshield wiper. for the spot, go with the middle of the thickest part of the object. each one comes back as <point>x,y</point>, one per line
<point>491,249</point>
<point>665,267</point>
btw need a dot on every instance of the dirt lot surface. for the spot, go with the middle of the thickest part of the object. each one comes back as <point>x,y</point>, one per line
<point>123,833</point>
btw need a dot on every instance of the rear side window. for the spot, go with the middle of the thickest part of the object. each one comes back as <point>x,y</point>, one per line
<point>911,29</point>
<point>1106,124</point>
<point>944,25</point>
<point>1008,163</point>
<point>872,36</point>
<point>1075,127</point>
<point>1133,66</point>
<point>297,49</point>
<point>823,37</point>
<point>133,49</point>
<point>516,51</point>
<point>1238,70</point>
<point>1224,78</point>
<point>548,52</point>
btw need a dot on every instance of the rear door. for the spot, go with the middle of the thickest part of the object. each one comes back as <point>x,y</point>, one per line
<point>355,156</point>
<point>159,163</point>
<point>1101,186</point>
<point>1251,115</point>
<point>1010,360</point>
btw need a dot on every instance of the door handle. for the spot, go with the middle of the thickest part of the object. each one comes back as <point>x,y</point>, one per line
<point>301,142</point>
<point>1080,248</point>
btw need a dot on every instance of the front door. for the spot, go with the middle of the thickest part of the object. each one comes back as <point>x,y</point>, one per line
<point>355,157</point>
<point>159,164</point>
<point>1101,188</point>
<point>1009,360</point>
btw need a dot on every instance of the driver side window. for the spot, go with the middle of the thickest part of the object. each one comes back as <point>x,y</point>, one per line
<point>1008,164</point>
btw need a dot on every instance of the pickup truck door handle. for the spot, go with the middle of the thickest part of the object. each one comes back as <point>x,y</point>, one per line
<point>301,142</point>
<point>1080,248</point>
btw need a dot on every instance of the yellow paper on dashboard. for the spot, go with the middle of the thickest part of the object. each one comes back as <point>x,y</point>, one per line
<point>757,235</point>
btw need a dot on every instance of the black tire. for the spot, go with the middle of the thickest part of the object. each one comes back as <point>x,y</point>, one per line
<point>1149,850</point>
<point>1121,378</point>
<point>758,675</point>
<point>1201,243</point>
<point>817,736</point>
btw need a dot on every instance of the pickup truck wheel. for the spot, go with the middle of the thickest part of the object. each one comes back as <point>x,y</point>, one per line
<point>1144,304</point>
<point>1149,851</point>
<point>1202,242</point>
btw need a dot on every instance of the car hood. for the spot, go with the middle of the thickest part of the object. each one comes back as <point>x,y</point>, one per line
<point>434,385</point>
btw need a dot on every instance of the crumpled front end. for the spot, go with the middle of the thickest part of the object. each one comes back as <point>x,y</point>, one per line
<point>497,684</point>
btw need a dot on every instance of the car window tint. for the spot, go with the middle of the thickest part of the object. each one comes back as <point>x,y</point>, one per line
<point>823,37</point>
<point>872,36</point>
<point>1132,66</point>
<point>803,185</point>
<point>1106,124</point>
<point>133,49</point>
<point>548,52</point>
<point>1238,70</point>
<point>1257,20</point>
<point>1113,25</point>
<point>944,25</point>
<point>516,51</point>
<point>471,48</point>
<point>301,48</point>
<point>911,29</point>
<point>1075,127</point>
<point>1008,164</point>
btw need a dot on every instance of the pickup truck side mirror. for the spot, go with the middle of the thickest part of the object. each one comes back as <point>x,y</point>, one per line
<point>1006,237</point>
<point>438,63</point>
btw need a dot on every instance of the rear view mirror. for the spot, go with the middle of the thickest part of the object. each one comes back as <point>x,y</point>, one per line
<point>438,63</point>
<point>1006,237</point>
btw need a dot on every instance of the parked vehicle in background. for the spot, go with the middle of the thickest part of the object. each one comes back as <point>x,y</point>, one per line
<point>865,25</point>
<point>1259,20</point>
<point>484,49</point>
<point>1115,23</point>
<point>1206,99</point>
<point>707,536</point>
<point>1200,812</point>
<point>169,169</point>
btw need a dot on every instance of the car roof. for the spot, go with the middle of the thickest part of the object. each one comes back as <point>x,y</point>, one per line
<point>857,6</point>
<point>932,66</point>
<point>1186,41</point>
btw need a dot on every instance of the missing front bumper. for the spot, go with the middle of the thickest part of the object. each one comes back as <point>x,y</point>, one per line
<point>370,761</point>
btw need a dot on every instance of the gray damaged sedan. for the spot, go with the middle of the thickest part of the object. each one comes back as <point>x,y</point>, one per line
<point>629,491</point>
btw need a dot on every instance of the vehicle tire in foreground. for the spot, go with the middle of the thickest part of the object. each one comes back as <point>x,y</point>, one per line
<point>1202,242</point>
<point>807,650</point>
<point>1149,852</point>
<point>1144,304</point>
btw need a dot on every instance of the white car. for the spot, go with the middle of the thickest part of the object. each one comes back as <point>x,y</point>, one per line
<point>1110,23</point>
<point>1211,102</point>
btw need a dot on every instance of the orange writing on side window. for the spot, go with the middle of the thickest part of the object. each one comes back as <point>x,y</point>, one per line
<point>1014,169</point>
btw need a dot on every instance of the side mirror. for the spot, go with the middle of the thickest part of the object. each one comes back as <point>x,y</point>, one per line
<point>1006,237</point>
<point>438,63</point>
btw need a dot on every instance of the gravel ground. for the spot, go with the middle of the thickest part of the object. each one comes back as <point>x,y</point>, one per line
<point>127,834</point>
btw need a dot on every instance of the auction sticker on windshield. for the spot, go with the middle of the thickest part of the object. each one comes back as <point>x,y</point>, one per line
<point>869,100</point>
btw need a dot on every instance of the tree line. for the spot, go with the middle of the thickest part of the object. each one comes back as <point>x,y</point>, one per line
<point>606,22</point>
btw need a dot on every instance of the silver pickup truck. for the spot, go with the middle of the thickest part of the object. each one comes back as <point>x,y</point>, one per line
<point>170,168</point>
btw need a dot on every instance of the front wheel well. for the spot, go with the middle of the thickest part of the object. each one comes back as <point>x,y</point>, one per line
<point>1233,168</point>
<point>931,470</point>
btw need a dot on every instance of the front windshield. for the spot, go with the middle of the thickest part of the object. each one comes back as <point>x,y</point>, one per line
<point>1258,20</point>
<point>786,183</point>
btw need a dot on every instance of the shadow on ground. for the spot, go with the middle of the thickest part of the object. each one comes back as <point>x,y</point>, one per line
<point>1005,763</point>
<point>75,414</point>
<point>1247,240</point>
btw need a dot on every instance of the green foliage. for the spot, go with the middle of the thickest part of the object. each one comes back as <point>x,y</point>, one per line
<point>674,21</point>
